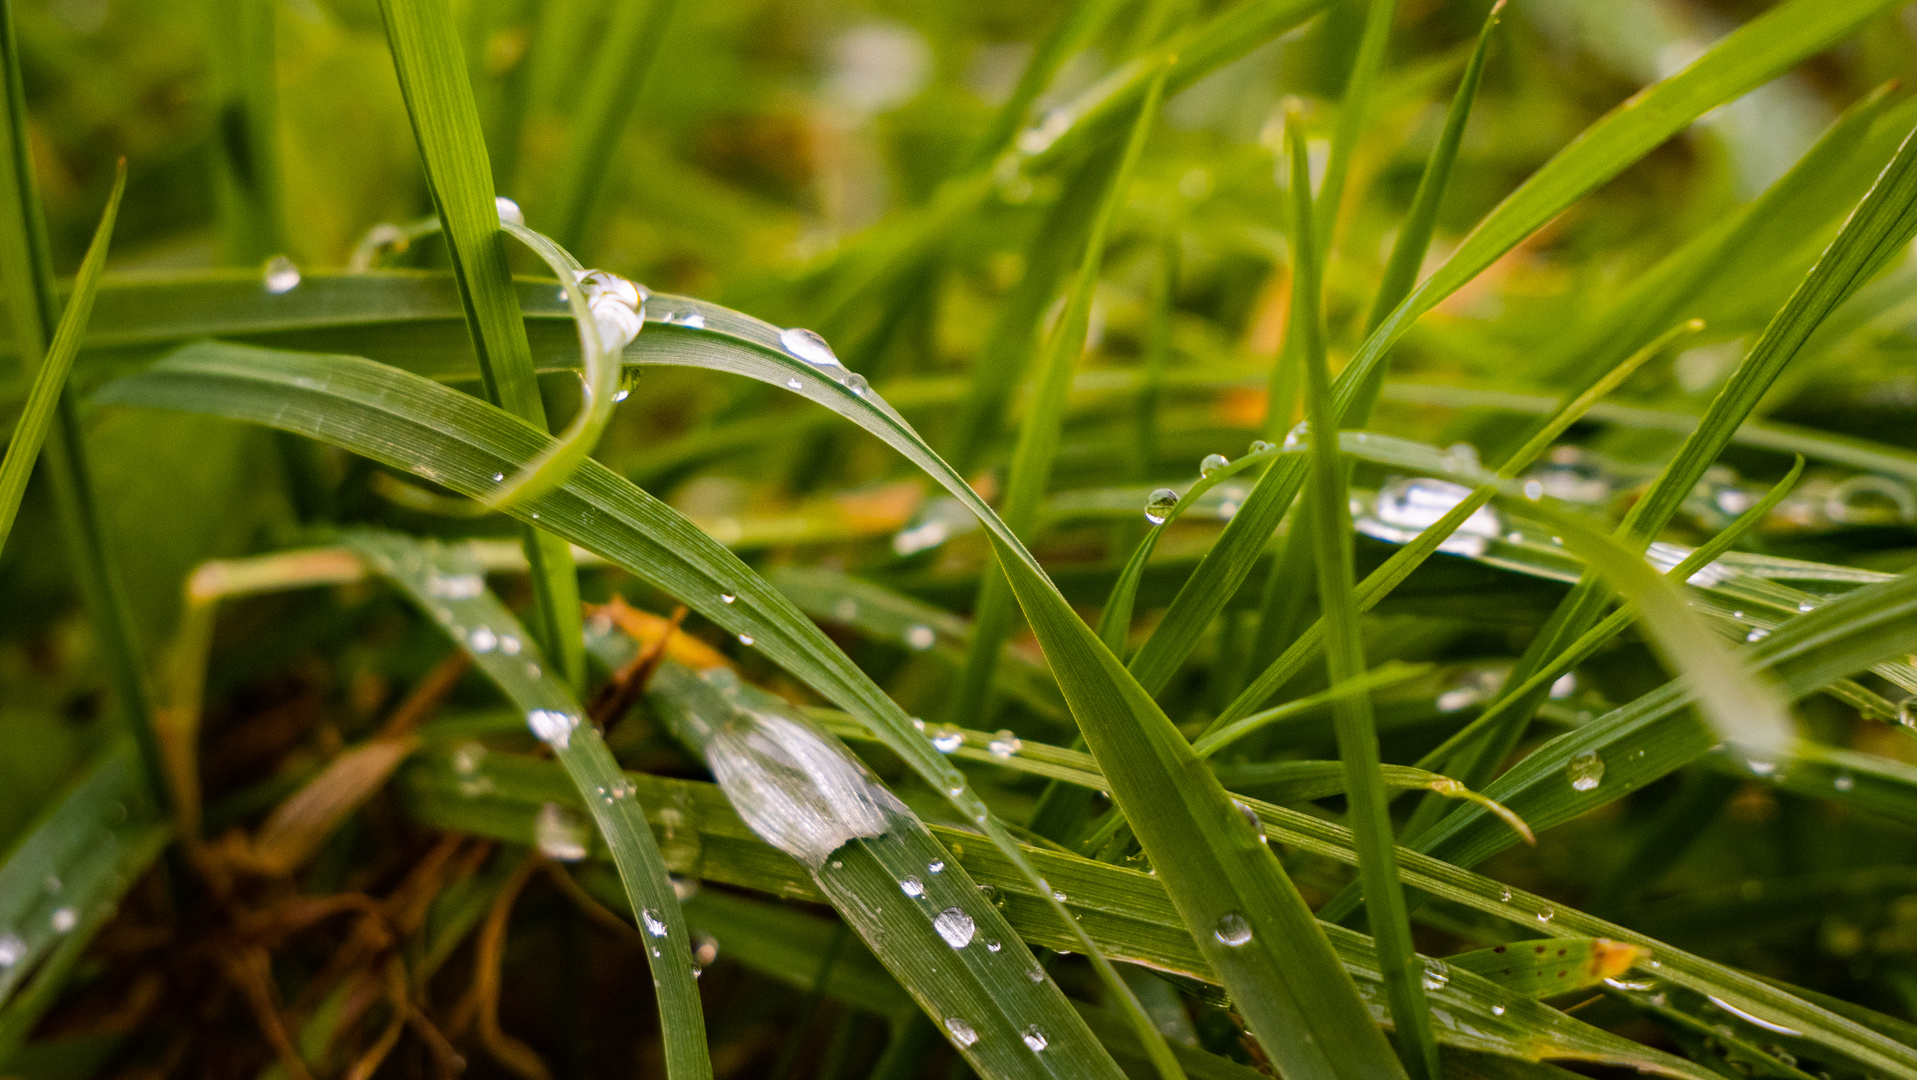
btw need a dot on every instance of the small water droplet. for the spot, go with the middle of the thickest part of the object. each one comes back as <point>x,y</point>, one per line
<point>1757,633</point>
<point>808,347</point>
<point>726,598</point>
<point>1547,914</point>
<point>1497,1010</point>
<point>12,949</point>
<point>1504,895</point>
<point>654,923</point>
<point>920,638</point>
<point>992,945</point>
<point>1585,770</point>
<point>1034,1037</point>
<point>509,210</point>
<point>1251,817</point>
<point>1460,457</point>
<point>1436,975</point>
<point>962,1032</point>
<point>1160,505</point>
<point>553,727</point>
<point>621,395</point>
<point>559,834</point>
<point>64,919</point>
<point>509,644</point>
<point>912,887</point>
<point>482,640</point>
<point>1564,686</point>
<point>935,866</point>
<point>1844,781</point>
<point>794,384</point>
<point>1232,929</point>
<point>856,383</point>
<point>955,926</point>
<point>1298,433</point>
<point>1212,463</point>
<point>1004,744</point>
<point>745,639</point>
<point>1259,446</point>
<point>281,275</point>
<point>498,476</point>
<point>1035,975</point>
<point>1059,895</point>
<point>1806,605</point>
<point>946,738</point>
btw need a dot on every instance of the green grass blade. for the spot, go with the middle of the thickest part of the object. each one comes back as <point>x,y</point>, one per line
<point>1040,432</point>
<point>600,112</point>
<point>1080,20</point>
<point>1746,58</point>
<point>1330,519</point>
<point>247,183</point>
<point>50,381</point>
<point>449,588</point>
<point>912,903</point>
<point>439,98</point>
<point>1360,84</point>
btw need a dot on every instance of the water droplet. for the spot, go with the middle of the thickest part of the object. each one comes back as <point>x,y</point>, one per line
<point>1059,895</point>
<point>1844,781</point>
<point>1497,1010</point>
<point>1564,686</point>
<point>1298,434</point>
<point>935,866</point>
<point>1035,975</point>
<point>954,926</point>
<point>726,598</point>
<point>1585,770</point>
<point>745,639</point>
<point>482,640</point>
<point>1547,914</point>
<point>1806,605</point>
<point>1232,929</point>
<point>622,395</point>
<point>920,638</point>
<point>280,275</point>
<point>1504,895</point>
<point>509,644</point>
<point>856,383</point>
<point>808,347</point>
<point>1534,490</point>
<point>794,384</point>
<point>1761,768</point>
<point>509,210</point>
<point>1251,816</point>
<point>498,476</point>
<point>1034,1037</point>
<point>992,945</point>
<point>1004,744</point>
<point>1160,505</point>
<point>553,727</point>
<point>1213,463</point>
<point>1405,507</point>
<point>1259,446</point>
<point>559,834</point>
<point>693,320</point>
<point>946,738</point>
<point>64,919</point>
<point>962,1032</point>
<point>705,949</point>
<point>912,887</point>
<point>12,949</point>
<point>1460,457</point>
<point>617,323</point>
<point>1436,975</point>
<point>654,923</point>
<point>1757,633</point>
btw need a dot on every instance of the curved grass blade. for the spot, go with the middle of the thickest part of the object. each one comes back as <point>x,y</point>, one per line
<point>1206,854</point>
<point>1039,434</point>
<point>1329,517</point>
<point>50,381</point>
<point>439,99</point>
<point>446,584</point>
<point>1746,58</point>
<point>800,790</point>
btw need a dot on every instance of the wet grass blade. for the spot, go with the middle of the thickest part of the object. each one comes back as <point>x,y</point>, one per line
<point>1746,58</point>
<point>1040,433</point>
<point>1330,520</point>
<point>51,380</point>
<point>448,587</point>
<point>439,98</point>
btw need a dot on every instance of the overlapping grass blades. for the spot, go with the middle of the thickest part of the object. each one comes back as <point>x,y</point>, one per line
<point>23,449</point>
<point>451,590</point>
<point>1746,58</point>
<point>1202,846</point>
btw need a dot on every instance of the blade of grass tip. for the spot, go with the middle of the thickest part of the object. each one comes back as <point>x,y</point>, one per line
<point>446,584</point>
<point>1369,811</point>
<point>1079,22</point>
<point>246,162</point>
<point>1379,583</point>
<point>1039,433</point>
<point>1352,107</point>
<point>439,99</point>
<point>612,92</point>
<point>27,268</point>
<point>1882,224</point>
<point>1748,57</point>
<point>51,380</point>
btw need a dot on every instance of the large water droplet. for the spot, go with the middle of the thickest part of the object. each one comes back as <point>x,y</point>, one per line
<point>654,923</point>
<point>912,887</point>
<point>1232,929</point>
<point>1405,507</point>
<point>962,1032</point>
<point>1034,1037</point>
<point>954,926</point>
<point>1585,770</point>
<point>559,834</point>
<point>808,347</point>
<point>1004,744</point>
<point>1160,505</point>
<point>1213,463</point>
<point>554,728</point>
<point>509,210</point>
<point>280,275</point>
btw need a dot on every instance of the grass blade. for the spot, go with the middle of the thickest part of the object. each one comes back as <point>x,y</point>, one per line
<point>450,589</point>
<point>439,98</point>
<point>1330,519</point>
<point>1352,107</point>
<point>50,381</point>
<point>246,162</point>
